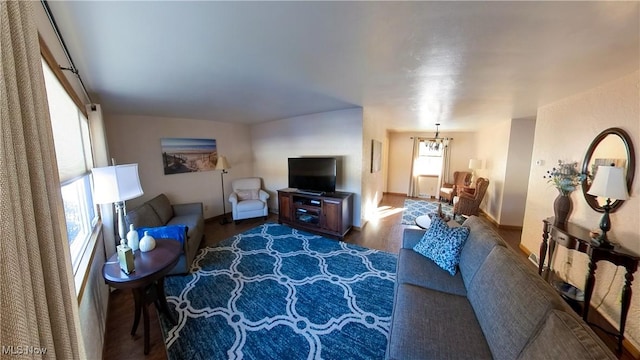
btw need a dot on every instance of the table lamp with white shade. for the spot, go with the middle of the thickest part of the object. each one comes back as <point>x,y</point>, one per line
<point>609,183</point>
<point>117,184</point>
<point>474,164</point>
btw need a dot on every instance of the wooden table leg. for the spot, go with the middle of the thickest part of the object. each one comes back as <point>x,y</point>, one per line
<point>543,249</point>
<point>624,311</point>
<point>162,299</point>
<point>550,259</point>
<point>138,298</point>
<point>588,289</point>
<point>141,306</point>
<point>145,317</point>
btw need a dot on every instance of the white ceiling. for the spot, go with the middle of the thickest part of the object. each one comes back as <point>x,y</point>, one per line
<point>408,64</point>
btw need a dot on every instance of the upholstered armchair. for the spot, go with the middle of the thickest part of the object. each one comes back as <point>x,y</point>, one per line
<point>248,200</point>
<point>449,191</point>
<point>469,204</point>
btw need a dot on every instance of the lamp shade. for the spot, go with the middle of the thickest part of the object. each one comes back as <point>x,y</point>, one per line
<point>609,182</point>
<point>118,183</point>
<point>222,163</point>
<point>475,164</point>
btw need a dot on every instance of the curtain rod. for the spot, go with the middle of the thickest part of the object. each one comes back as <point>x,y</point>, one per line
<point>424,138</point>
<point>73,68</point>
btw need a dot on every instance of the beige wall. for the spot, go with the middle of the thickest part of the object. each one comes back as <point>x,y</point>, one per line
<point>373,184</point>
<point>463,148</point>
<point>505,150</point>
<point>493,150</point>
<point>335,133</point>
<point>136,139</point>
<point>517,173</point>
<point>564,130</point>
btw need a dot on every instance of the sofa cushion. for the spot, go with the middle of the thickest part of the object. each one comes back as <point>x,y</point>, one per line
<point>443,244</point>
<point>162,207</point>
<point>510,301</point>
<point>249,205</point>
<point>563,336</point>
<point>411,237</point>
<point>194,223</point>
<point>447,191</point>
<point>250,194</point>
<point>482,239</point>
<point>416,269</point>
<point>143,216</point>
<point>429,324</point>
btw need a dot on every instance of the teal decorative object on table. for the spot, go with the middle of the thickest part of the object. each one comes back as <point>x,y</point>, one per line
<point>274,292</point>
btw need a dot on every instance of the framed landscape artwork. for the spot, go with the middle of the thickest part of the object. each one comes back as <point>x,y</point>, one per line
<point>183,155</point>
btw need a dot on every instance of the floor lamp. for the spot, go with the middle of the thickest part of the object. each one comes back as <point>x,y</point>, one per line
<point>116,184</point>
<point>224,166</point>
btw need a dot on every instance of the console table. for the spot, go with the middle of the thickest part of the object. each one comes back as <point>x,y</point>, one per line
<point>578,238</point>
<point>328,214</point>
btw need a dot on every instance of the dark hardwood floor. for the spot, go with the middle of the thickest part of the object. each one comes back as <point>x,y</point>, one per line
<point>383,234</point>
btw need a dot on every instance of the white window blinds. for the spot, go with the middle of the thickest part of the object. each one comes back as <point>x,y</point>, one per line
<point>70,130</point>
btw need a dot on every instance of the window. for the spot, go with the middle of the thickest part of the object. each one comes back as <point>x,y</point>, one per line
<point>429,160</point>
<point>74,159</point>
<point>79,214</point>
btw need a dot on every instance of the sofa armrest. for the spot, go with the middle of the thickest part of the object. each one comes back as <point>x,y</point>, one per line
<point>263,195</point>
<point>411,237</point>
<point>188,209</point>
<point>233,198</point>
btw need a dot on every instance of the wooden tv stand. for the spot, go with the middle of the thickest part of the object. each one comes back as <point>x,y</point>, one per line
<point>328,214</point>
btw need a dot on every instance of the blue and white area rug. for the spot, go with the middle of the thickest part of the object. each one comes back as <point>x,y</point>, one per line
<point>414,208</point>
<point>274,292</point>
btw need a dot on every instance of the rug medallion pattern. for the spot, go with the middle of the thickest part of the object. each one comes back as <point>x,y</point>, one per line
<point>274,292</point>
<point>414,208</point>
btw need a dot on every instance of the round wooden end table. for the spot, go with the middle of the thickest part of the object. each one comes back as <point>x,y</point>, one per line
<point>146,281</point>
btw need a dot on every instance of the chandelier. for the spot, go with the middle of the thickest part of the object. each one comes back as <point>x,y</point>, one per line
<point>437,142</point>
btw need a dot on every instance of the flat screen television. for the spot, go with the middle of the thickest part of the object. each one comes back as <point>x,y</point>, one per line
<point>313,174</point>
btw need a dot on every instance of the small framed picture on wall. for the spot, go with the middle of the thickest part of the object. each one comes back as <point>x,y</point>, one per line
<point>376,155</point>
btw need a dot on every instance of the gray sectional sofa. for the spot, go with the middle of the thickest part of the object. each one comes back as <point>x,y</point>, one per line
<point>495,307</point>
<point>160,212</point>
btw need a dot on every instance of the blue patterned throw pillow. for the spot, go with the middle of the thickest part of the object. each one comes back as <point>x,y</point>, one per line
<point>443,244</point>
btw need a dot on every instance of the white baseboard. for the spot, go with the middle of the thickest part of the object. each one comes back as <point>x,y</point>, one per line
<point>533,258</point>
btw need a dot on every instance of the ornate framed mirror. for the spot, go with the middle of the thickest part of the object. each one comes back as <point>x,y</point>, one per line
<point>613,146</point>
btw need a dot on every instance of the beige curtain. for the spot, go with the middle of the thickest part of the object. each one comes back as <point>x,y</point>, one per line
<point>446,160</point>
<point>38,305</point>
<point>413,179</point>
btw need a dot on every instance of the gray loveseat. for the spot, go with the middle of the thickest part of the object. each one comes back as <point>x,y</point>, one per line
<point>159,212</point>
<point>495,307</point>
